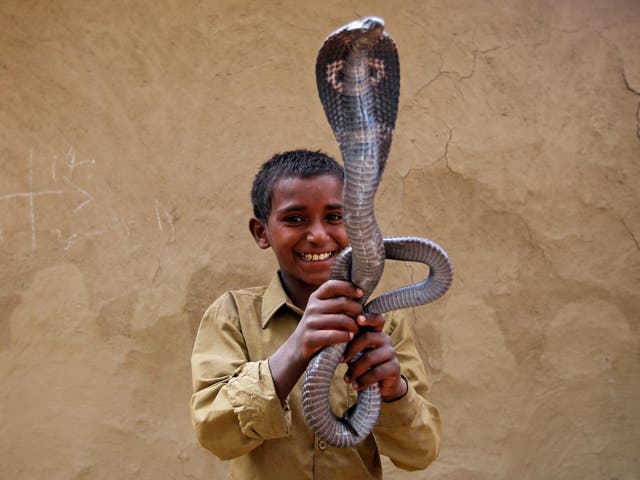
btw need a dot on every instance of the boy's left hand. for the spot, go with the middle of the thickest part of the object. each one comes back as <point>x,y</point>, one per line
<point>378,362</point>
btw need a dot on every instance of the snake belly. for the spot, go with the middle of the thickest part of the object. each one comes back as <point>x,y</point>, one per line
<point>358,78</point>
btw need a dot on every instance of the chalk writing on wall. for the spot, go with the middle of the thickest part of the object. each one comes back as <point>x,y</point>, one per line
<point>161,212</point>
<point>64,178</point>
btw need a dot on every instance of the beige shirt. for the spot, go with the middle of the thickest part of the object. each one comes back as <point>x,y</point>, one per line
<point>237,414</point>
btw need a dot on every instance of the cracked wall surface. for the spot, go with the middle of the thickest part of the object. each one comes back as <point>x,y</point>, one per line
<point>130,134</point>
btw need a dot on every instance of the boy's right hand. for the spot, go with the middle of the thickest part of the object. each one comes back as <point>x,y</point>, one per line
<point>329,317</point>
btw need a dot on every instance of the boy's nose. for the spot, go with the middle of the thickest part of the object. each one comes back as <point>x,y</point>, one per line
<point>317,233</point>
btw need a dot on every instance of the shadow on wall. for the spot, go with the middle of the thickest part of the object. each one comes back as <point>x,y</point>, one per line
<point>207,284</point>
<point>8,303</point>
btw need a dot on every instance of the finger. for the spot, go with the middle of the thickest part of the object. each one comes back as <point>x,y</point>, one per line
<point>340,304</point>
<point>372,321</point>
<point>369,360</point>
<point>335,321</point>
<point>322,338</point>
<point>387,372</point>
<point>363,341</point>
<point>337,288</point>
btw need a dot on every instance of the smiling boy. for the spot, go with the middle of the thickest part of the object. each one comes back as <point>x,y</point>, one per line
<point>254,344</point>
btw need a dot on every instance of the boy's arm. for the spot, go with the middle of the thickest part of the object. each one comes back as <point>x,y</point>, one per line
<point>409,429</point>
<point>234,407</point>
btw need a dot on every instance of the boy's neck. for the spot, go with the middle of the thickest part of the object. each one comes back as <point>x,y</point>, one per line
<point>299,294</point>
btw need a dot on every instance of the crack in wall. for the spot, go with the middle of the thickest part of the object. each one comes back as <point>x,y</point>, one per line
<point>428,83</point>
<point>633,90</point>
<point>611,44</point>
<point>445,156</point>
<point>459,77</point>
<point>631,234</point>
<point>446,145</point>
<point>475,53</point>
<point>638,121</point>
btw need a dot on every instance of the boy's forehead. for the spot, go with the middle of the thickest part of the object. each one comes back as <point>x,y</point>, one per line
<point>318,188</point>
<point>303,183</point>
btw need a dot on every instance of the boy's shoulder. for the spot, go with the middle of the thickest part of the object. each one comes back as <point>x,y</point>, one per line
<point>248,291</point>
<point>241,295</point>
<point>235,306</point>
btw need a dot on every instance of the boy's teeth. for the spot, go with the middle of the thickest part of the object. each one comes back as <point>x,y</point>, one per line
<point>311,257</point>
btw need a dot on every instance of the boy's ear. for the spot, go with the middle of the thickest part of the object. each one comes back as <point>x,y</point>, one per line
<point>259,232</point>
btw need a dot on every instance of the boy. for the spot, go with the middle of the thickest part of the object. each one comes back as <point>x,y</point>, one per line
<point>254,345</point>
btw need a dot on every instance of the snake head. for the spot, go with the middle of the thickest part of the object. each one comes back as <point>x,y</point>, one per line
<point>361,33</point>
<point>358,65</point>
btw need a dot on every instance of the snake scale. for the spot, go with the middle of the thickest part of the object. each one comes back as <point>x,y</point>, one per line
<point>358,77</point>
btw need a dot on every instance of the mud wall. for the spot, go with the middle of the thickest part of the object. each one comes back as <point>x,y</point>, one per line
<point>129,136</point>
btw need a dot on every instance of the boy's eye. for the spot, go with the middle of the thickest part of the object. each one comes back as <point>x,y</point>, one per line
<point>295,219</point>
<point>334,217</point>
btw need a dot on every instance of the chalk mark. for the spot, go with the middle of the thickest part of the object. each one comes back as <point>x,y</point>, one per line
<point>71,240</point>
<point>168,218</point>
<point>115,220</point>
<point>33,194</point>
<point>158,216</point>
<point>30,194</point>
<point>31,202</point>
<point>72,163</point>
<point>74,237</point>
<point>87,195</point>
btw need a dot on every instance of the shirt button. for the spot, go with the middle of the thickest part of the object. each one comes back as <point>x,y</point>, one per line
<point>322,444</point>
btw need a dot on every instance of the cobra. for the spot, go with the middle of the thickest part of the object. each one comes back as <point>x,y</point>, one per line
<point>358,78</point>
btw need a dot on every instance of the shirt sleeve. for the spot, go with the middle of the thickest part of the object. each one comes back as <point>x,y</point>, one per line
<point>409,429</point>
<point>234,407</point>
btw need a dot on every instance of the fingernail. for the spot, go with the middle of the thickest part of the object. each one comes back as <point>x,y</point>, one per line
<point>346,378</point>
<point>355,385</point>
<point>350,335</point>
<point>359,292</point>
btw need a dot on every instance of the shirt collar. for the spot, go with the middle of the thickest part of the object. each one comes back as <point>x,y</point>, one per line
<point>274,298</point>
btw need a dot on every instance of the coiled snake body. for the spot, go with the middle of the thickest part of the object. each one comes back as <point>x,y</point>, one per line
<point>358,77</point>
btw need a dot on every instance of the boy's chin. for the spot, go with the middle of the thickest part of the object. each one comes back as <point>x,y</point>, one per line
<point>317,278</point>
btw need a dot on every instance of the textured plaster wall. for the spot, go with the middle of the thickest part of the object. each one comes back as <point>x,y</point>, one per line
<point>129,136</point>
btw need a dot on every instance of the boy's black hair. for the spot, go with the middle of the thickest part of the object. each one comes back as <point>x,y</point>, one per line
<point>291,164</point>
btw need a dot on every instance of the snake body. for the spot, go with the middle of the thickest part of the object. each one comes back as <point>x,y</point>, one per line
<point>358,78</point>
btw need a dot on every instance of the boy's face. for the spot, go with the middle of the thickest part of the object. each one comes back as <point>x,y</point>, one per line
<point>304,229</point>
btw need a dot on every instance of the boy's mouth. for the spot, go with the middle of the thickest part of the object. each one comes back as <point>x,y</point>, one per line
<point>315,257</point>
